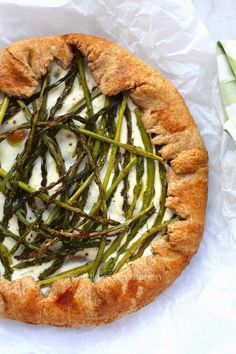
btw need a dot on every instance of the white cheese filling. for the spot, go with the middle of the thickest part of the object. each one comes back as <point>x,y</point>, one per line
<point>67,142</point>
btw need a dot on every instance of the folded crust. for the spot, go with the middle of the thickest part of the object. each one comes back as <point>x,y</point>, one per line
<point>79,302</point>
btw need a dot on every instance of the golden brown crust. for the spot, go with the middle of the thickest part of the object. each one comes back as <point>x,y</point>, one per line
<point>79,302</point>
<point>24,62</point>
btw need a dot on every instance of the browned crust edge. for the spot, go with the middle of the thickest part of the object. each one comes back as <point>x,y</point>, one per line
<point>79,302</point>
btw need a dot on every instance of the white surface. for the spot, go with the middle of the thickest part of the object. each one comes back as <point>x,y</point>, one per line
<point>198,313</point>
<point>218,16</point>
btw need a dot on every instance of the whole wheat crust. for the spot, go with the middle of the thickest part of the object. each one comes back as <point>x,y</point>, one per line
<point>79,302</point>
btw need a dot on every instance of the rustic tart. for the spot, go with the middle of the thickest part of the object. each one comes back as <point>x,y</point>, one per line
<point>103,178</point>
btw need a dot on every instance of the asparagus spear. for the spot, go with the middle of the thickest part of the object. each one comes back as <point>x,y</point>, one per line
<point>81,104</point>
<point>69,81</point>
<point>160,215</point>
<point>69,273</point>
<point>56,264</point>
<point>25,109</point>
<point>126,159</point>
<point>133,149</point>
<point>84,85</point>
<point>133,248</point>
<point>34,262</point>
<point>6,261</point>
<point>3,108</point>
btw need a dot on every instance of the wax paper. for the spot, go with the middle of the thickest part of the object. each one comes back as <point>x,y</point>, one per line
<point>197,314</point>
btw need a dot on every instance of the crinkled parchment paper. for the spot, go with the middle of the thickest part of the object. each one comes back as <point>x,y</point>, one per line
<point>197,314</point>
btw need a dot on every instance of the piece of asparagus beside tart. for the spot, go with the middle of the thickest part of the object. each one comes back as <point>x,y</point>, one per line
<point>103,182</point>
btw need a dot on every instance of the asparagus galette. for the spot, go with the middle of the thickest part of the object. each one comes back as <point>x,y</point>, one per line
<point>103,179</point>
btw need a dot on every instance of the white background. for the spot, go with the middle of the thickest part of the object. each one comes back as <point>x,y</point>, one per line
<point>218,16</point>
<point>198,313</point>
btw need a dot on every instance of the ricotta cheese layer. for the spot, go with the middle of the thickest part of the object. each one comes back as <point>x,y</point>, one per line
<point>68,143</point>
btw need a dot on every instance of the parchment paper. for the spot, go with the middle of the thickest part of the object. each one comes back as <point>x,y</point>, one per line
<point>198,313</point>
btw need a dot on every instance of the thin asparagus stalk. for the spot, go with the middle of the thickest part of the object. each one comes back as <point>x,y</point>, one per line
<point>138,186</point>
<point>133,248</point>
<point>6,261</point>
<point>133,149</point>
<point>56,264</point>
<point>3,108</point>
<point>160,215</point>
<point>51,143</point>
<point>33,262</point>
<point>84,85</point>
<point>162,202</point>
<point>38,252</point>
<point>81,104</point>
<point>93,270</point>
<point>113,231</point>
<point>102,126</point>
<point>117,138</point>
<point>55,152</point>
<point>69,273</point>
<point>4,231</point>
<point>127,157</point>
<point>69,81</point>
<point>21,225</point>
<point>150,191</point>
<point>25,109</point>
<point>42,101</point>
<point>12,109</point>
<point>44,170</point>
<point>90,112</point>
